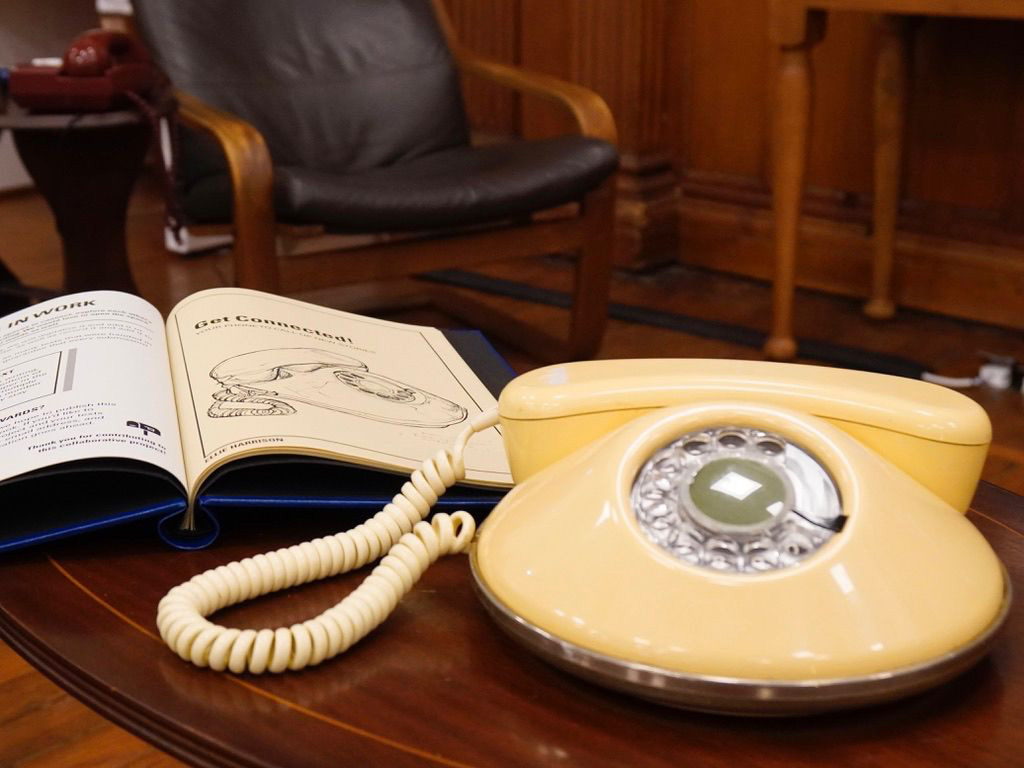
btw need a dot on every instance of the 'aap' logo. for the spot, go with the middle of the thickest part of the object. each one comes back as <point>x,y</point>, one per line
<point>146,429</point>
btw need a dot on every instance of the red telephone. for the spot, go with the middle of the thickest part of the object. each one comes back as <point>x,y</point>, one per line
<point>98,69</point>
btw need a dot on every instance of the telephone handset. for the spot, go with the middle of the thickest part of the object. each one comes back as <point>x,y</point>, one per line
<point>99,71</point>
<point>731,536</point>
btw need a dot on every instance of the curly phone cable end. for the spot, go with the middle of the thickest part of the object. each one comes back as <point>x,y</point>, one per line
<point>398,531</point>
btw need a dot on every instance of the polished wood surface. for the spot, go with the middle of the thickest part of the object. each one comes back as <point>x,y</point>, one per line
<point>44,727</point>
<point>439,683</point>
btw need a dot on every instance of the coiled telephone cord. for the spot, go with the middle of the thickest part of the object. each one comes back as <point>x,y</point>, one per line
<point>398,530</point>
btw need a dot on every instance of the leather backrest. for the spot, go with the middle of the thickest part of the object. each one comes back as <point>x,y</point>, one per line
<point>338,85</point>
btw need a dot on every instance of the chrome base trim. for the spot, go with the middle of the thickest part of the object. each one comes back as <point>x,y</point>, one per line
<point>739,696</point>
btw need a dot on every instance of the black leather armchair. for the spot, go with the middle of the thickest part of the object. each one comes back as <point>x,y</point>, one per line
<point>345,116</point>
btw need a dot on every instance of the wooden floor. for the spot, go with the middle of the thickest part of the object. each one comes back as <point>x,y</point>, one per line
<point>42,726</point>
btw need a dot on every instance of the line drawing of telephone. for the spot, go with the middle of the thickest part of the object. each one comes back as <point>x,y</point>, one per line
<point>97,72</point>
<point>266,382</point>
<point>729,536</point>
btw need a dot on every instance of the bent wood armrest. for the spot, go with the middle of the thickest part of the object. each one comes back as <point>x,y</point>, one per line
<point>252,176</point>
<point>591,113</point>
<point>593,117</point>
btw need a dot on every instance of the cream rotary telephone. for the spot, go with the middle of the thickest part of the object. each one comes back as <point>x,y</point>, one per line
<point>729,536</point>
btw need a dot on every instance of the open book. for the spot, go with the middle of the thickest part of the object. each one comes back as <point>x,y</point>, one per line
<point>241,400</point>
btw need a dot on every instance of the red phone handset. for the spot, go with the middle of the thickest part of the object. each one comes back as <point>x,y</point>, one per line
<point>95,52</point>
<point>99,68</point>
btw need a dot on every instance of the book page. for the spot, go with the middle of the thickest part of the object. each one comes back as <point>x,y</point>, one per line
<point>256,373</point>
<point>86,376</point>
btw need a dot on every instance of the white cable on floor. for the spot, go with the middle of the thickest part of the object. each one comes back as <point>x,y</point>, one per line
<point>950,381</point>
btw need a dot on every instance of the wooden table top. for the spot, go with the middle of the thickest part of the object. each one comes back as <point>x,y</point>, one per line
<point>439,684</point>
<point>16,118</point>
<point>993,9</point>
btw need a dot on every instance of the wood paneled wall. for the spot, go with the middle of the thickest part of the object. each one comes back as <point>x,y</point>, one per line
<point>690,83</point>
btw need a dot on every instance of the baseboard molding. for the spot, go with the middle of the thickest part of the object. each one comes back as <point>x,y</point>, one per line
<point>983,283</point>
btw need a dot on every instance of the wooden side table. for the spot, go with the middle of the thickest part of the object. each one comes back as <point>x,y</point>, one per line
<point>85,167</point>
<point>795,27</point>
<point>439,684</point>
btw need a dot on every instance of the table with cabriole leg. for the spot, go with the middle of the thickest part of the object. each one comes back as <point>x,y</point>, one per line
<point>795,27</point>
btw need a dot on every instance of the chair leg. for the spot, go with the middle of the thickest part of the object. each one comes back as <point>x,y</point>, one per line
<point>593,274</point>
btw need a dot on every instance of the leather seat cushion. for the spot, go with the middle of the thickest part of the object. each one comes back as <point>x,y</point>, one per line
<point>449,188</point>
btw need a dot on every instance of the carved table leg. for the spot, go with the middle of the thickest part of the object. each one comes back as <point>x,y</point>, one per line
<point>890,100</point>
<point>792,123</point>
